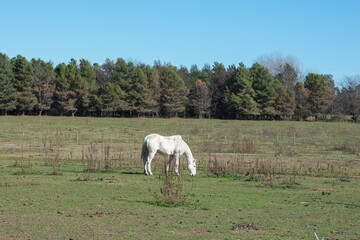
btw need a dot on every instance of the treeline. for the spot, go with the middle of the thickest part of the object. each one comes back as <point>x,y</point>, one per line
<point>121,88</point>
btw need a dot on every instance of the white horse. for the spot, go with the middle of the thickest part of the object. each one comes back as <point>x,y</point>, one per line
<point>173,146</point>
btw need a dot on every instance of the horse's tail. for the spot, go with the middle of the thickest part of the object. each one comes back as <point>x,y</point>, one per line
<point>144,150</point>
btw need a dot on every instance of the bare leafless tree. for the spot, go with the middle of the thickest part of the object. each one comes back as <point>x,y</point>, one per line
<point>348,100</point>
<point>287,69</point>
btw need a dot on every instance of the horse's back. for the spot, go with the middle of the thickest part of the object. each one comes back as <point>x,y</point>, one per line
<point>174,137</point>
<point>160,137</point>
<point>166,145</point>
<point>151,137</point>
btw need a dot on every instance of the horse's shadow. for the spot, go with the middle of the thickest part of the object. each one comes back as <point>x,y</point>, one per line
<point>131,173</point>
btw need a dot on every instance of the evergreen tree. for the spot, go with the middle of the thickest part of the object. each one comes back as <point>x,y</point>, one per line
<point>173,93</point>
<point>220,95</point>
<point>242,97</point>
<point>137,94</point>
<point>87,72</point>
<point>23,83</point>
<point>95,103</point>
<point>78,94</point>
<point>44,84</point>
<point>153,96</point>
<point>263,84</point>
<point>132,81</point>
<point>320,93</point>
<point>108,69</point>
<point>302,109</point>
<point>285,100</point>
<point>195,73</point>
<point>111,99</point>
<point>7,91</point>
<point>119,74</point>
<point>186,77</point>
<point>207,74</point>
<point>101,78</point>
<point>218,69</point>
<point>61,90</point>
<point>330,82</point>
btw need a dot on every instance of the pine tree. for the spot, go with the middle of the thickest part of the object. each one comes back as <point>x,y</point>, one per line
<point>173,93</point>
<point>7,91</point>
<point>285,100</point>
<point>44,84</point>
<point>320,93</point>
<point>111,99</point>
<point>264,87</point>
<point>153,89</point>
<point>242,97</point>
<point>78,94</point>
<point>88,73</point>
<point>302,109</point>
<point>220,95</point>
<point>23,83</point>
<point>133,82</point>
<point>137,93</point>
<point>61,90</point>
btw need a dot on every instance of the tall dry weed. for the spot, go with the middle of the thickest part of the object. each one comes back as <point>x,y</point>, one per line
<point>171,189</point>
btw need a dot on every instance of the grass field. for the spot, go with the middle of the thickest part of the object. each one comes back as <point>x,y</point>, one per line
<point>82,178</point>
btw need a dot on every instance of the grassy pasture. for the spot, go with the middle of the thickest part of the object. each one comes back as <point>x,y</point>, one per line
<point>81,178</point>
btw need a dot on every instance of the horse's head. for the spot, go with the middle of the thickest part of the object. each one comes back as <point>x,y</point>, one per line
<point>192,167</point>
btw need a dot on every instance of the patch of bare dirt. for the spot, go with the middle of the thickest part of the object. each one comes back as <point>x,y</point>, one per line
<point>193,233</point>
<point>21,185</point>
<point>10,236</point>
<point>246,228</point>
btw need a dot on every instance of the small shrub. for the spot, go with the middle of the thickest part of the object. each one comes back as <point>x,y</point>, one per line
<point>212,146</point>
<point>171,190</point>
<point>96,157</point>
<point>52,158</point>
<point>268,133</point>
<point>55,163</point>
<point>217,168</point>
<point>345,147</point>
<point>246,146</point>
<point>279,149</point>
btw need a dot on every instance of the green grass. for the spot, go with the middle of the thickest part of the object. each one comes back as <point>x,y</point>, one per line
<point>121,203</point>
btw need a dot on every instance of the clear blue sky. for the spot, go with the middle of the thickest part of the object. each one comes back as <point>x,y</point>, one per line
<point>324,35</point>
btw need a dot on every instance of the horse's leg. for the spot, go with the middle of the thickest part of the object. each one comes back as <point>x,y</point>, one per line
<point>145,163</point>
<point>150,158</point>
<point>171,157</point>
<point>177,160</point>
